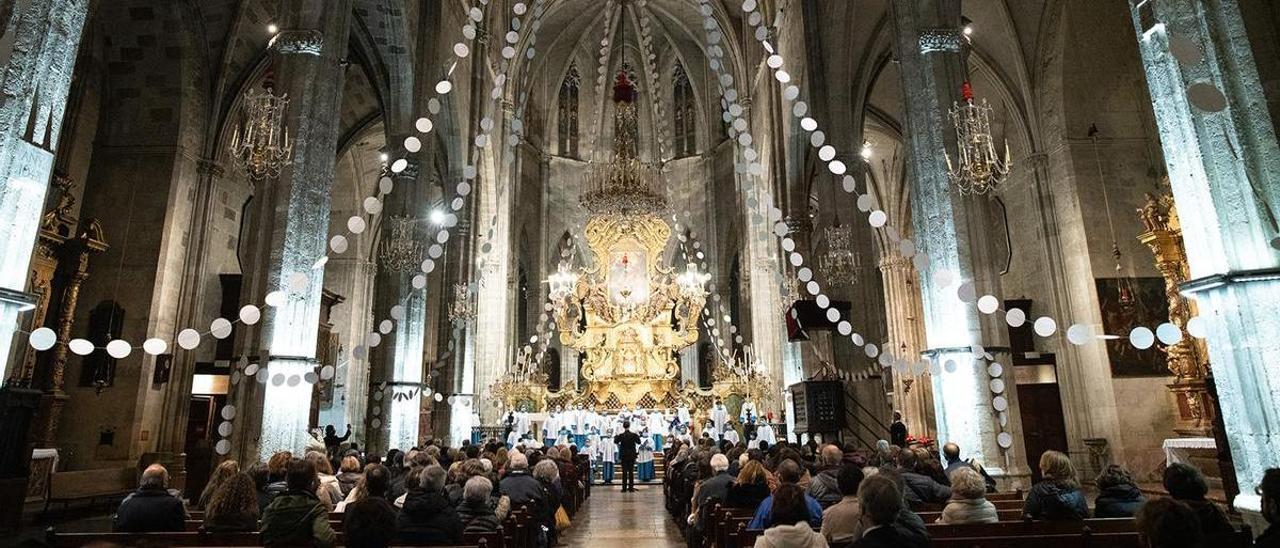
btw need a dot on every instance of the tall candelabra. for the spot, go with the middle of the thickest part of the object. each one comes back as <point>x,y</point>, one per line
<point>977,168</point>
<point>260,144</point>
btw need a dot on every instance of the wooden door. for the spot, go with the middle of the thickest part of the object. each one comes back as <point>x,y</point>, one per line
<point>1042,424</point>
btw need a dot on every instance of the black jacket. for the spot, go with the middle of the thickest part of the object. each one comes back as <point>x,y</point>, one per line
<point>370,523</point>
<point>427,517</point>
<point>150,510</point>
<point>522,488</point>
<point>1047,501</point>
<point>888,537</point>
<point>825,488</point>
<point>628,443</point>
<point>746,495</point>
<point>898,434</point>
<point>922,489</point>
<point>1118,501</point>
<point>716,486</point>
<point>477,517</point>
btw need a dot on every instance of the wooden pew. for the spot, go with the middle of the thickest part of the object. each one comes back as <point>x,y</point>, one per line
<point>1004,515</point>
<point>157,540</point>
<point>104,486</point>
<point>1024,528</point>
<point>999,504</point>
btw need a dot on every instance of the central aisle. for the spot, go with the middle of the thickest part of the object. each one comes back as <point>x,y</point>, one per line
<point>633,520</point>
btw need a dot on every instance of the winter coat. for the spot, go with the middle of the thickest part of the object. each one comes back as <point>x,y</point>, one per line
<point>150,510</point>
<point>370,523</point>
<point>478,517</point>
<point>522,488</point>
<point>296,518</point>
<point>746,495</point>
<point>427,517</point>
<point>1213,522</point>
<point>716,486</point>
<point>825,488</point>
<point>1050,502</point>
<point>842,522</point>
<point>969,511</point>
<point>800,535</point>
<point>1118,501</point>
<point>922,489</point>
<point>889,537</point>
<point>347,481</point>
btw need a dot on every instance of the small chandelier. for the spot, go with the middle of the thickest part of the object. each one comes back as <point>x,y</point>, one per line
<point>261,143</point>
<point>841,263</point>
<point>979,168</point>
<point>401,251</point>
<point>463,309</point>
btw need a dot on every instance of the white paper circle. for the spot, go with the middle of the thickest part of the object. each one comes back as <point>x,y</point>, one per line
<point>950,366</point>
<point>1079,334</point>
<point>877,218</point>
<point>1004,439</point>
<point>385,327</point>
<point>1198,327</point>
<point>293,380</point>
<point>988,304</point>
<point>229,412</point>
<point>338,244</point>
<point>871,350</point>
<point>356,224</point>
<point>423,125</point>
<point>438,397</point>
<point>275,299</point>
<point>372,339</point>
<point>249,314</point>
<point>298,282</point>
<point>997,386</point>
<point>326,372</point>
<point>1184,49</point>
<point>310,377</point>
<point>1000,403</point>
<point>1141,338</point>
<point>966,292</point>
<point>252,369</point>
<point>154,346</point>
<point>119,349</point>
<point>397,312</point>
<point>372,205</point>
<point>220,328</point>
<point>81,347</point>
<point>833,315</point>
<point>844,328</point>
<point>188,339</point>
<point>1168,334</point>
<point>1045,326</point>
<point>995,369</point>
<point>1206,96</point>
<point>224,429</point>
<point>222,447</point>
<point>42,339</point>
<point>1015,317</point>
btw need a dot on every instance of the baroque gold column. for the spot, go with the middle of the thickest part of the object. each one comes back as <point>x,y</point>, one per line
<point>912,394</point>
<point>1188,360</point>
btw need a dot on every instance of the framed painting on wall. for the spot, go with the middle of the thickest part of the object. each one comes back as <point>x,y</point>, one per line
<point>1150,308</point>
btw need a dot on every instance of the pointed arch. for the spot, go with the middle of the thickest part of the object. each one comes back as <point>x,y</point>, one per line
<point>568,113</point>
<point>686,114</point>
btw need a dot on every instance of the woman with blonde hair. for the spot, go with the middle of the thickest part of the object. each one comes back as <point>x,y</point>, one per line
<point>233,507</point>
<point>1057,496</point>
<point>751,489</point>
<point>220,474</point>
<point>968,502</point>
<point>349,474</point>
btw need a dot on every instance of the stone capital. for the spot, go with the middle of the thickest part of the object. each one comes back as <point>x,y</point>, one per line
<point>206,166</point>
<point>941,39</point>
<point>298,41</point>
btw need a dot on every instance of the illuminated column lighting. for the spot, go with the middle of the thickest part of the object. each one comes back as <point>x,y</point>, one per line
<point>406,405</point>
<point>1223,161</point>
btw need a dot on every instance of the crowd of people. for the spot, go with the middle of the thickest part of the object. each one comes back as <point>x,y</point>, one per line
<point>826,495</point>
<point>428,496</point>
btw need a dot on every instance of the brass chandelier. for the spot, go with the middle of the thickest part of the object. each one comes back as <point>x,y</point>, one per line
<point>978,168</point>
<point>400,250</point>
<point>463,309</point>
<point>840,264</point>
<point>260,144</point>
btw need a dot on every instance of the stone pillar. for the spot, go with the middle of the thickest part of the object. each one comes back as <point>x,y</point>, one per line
<point>912,393</point>
<point>34,86</point>
<point>1224,163</point>
<point>929,49</point>
<point>293,216</point>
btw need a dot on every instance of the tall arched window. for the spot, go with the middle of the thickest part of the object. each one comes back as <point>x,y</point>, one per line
<point>568,119</point>
<point>686,133</point>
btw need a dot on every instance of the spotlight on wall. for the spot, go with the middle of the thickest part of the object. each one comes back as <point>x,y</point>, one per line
<point>866,150</point>
<point>967,26</point>
<point>384,157</point>
<point>436,217</point>
<point>272,28</point>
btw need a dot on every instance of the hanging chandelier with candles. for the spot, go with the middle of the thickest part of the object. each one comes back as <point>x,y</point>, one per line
<point>400,250</point>
<point>463,309</point>
<point>978,168</point>
<point>260,144</point>
<point>840,264</point>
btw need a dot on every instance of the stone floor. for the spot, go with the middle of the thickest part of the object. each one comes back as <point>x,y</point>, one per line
<point>633,520</point>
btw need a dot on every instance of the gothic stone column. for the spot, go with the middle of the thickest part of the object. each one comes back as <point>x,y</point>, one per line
<point>912,394</point>
<point>1224,166</point>
<point>34,84</point>
<point>929,48</point>
<point>293,215</point>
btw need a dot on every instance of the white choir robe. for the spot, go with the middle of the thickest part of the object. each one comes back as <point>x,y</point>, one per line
<point>513,439</point>
<point>765,433</point>
<point>682,413</point>
<point>580,422</point>
<point>719,417</point>
<point>748,406</point>
<point>608,453</point>
<point>551,426</point>
<point>731,436</point>
<point>658,424</point>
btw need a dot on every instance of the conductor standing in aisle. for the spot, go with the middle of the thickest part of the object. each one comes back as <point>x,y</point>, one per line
<point>628,442</point>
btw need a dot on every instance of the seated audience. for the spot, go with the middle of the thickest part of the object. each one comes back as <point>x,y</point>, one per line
<point>1118,494</point>
<point>1186,484</point>
<point>921,488</point>
<point>715,487</point>
<point>548,474</point>
<point>1270,493</point>
<point>349,474</point>
<point>261,480</point>
<point>1168,523</point>
<point>220,474</point>
<point>1057,496</point>
<point>427,516</point>
<point>751,488</point>
<point>789,521</point>
<point>296,517</point>
<point>370,520</point>
<point>151,508</point>
<point>951,454</point>
<point>824,487</point>
<point>328,491</point>
<point>842,522</point>
<point>881,502</point>
<point>519,485</point>
<point>233,507</point>
<point>476,510</point>
<point>968,502</point>
<point>788,473</point>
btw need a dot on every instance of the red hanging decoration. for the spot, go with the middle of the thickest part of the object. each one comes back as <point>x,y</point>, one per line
<point>623,90</point>
<point>966,91</point>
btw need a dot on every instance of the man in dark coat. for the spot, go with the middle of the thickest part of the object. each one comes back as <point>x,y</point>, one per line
<point>898,430</point>
<point>151,508</point>
<point>427,516</point>
<point>881,502</point>
<point>371,522</point>
<point>628,443</point>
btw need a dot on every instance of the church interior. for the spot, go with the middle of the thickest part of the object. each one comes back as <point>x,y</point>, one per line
<point>861,254</point>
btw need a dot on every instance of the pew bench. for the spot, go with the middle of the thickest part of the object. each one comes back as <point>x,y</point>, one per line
<point>158,540</point>
<point>97,487</point>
